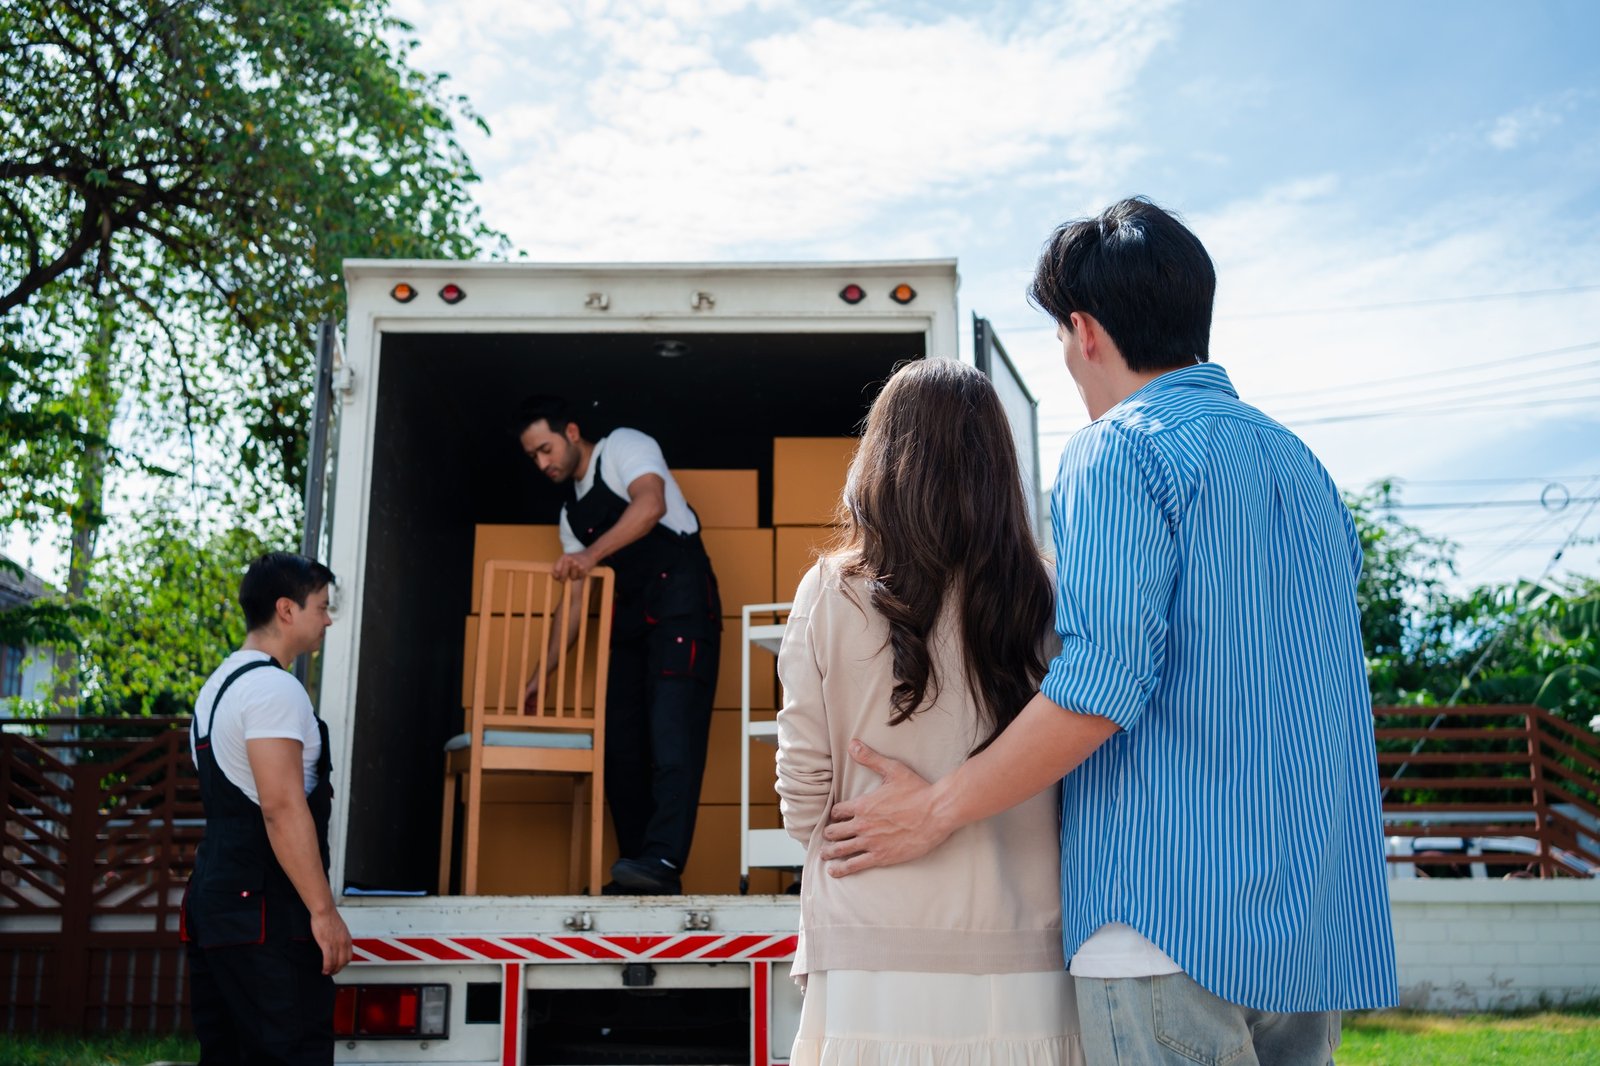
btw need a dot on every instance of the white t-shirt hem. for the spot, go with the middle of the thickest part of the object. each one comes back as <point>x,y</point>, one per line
<point>1117,950</point>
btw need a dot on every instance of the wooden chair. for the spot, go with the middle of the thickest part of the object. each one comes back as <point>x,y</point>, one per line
<point>565,734</point>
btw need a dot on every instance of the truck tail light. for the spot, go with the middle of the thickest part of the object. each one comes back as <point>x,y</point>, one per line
<point>391,1011</point>
<point>852,294</point>
<point>452,293</point>
<point>403,293</point>
<point>903,293</point>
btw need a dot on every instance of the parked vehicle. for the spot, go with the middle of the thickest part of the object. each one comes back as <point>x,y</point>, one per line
<point>716,361</point>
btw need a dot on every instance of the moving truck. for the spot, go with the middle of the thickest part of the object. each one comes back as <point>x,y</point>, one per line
<point>753,377</point>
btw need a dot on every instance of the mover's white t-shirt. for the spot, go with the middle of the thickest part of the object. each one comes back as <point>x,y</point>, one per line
<point>629,455</point>
<point>266,702</point>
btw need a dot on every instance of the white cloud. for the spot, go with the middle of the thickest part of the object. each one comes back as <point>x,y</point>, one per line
<point>1523,125</point>
<point>668,139</point>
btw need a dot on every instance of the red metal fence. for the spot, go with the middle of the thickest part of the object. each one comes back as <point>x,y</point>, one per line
<point>102,819</point>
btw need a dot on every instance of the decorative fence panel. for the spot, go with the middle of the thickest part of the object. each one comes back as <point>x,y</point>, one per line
<point>101,824</point>
<point>102,819</point>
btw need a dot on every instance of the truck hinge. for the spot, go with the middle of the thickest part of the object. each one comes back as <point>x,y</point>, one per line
<point>697,920</point>
<point>582,922</point>
<point>344,382</point>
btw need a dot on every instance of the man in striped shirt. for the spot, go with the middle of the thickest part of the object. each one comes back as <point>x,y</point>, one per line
<point>1223,885</point>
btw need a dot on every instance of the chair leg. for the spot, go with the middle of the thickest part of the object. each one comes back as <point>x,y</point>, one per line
<point>447,832</point>
<point>474,835</point>
<point>576,857</point>
<point>597,830</point>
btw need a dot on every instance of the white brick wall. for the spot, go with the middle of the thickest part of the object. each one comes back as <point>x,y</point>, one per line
<point>1494,945</point>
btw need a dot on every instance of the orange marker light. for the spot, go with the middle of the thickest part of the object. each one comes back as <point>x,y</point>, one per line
<point>903,294</point>
<point>403,293</point>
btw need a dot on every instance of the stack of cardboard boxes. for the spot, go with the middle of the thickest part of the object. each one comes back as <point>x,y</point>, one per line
<point>527,819</point>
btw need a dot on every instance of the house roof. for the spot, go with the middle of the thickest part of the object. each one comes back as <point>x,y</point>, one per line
<point>18,589</point>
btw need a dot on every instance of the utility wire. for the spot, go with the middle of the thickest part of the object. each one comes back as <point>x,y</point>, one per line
<point>1426,410</point>
<point>1432,399</point>
<point>1392,305</point>
<point>1431,301</point>
<point>1551,378</point>
<point>1530,357</point>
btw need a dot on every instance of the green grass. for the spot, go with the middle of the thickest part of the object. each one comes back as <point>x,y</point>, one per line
<point>97,1050</point>
<point>1548,1038</point>
<point>1377,1038</point>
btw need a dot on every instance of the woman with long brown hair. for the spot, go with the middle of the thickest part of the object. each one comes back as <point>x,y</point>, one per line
<point>923,635</point>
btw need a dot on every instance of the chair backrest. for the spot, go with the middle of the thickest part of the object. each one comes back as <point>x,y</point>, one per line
<point>522,602</point>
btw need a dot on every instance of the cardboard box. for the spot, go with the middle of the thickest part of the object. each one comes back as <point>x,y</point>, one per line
<point>721,781</point>
<point>808,476</point>
<point>724,499</point>
<point>763,672</point>
<point>795,549</point>
<point>713,866</point>
<point>526,847</point>
<point>742,560</point>
<point>536,544</point>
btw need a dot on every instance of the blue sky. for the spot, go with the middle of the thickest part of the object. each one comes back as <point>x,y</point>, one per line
<point>1336,159</point>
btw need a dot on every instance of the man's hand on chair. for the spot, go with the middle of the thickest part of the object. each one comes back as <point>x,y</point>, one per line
<point>574,566</point>
<point>530,695</point>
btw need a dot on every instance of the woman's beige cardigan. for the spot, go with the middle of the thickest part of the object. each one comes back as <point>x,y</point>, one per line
<point>985,901</point>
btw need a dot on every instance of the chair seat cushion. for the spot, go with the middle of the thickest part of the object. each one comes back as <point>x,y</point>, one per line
<point>525,738</point>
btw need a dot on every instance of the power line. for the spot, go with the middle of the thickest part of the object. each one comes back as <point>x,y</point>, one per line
<point>1466,368</point>
<point>1473,505</point>
<point>1551,378</point>
<point>1431,301</point>
<point>1424,411</point>
<point>1392,305</point>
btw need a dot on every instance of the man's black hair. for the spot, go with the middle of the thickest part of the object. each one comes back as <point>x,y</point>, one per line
<point>542,407</point>
<point>1141,274</point>
<point>275,575</point>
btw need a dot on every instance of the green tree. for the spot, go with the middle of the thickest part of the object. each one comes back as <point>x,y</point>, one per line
<point>1409,620</point>
<point>180,182</point>
<point>167,615</point>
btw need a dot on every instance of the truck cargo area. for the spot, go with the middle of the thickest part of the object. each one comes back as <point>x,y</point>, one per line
<point>446,461</point>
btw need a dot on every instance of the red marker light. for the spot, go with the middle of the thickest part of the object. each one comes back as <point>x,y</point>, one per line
<point>403,293</point>
<point>852,294</point>
<point>452,293</point>
<point>903,293</point>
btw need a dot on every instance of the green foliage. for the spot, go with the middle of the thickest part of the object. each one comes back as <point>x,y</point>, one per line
<point>180,184</point>
<point>1408,620</point>
<point>167,616</point>
<point>1513,644</point>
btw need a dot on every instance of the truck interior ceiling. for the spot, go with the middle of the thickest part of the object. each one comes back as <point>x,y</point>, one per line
<point>445,459</point>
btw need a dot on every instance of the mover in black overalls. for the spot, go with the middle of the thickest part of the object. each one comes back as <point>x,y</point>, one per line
<point>262,934</point>
<point>624,509</point>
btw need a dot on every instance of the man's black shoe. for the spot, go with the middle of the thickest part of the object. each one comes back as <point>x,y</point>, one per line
<point>612,888</point>
<point>649,877</point>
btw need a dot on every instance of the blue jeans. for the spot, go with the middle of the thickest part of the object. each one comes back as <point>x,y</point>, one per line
<point>1171,1021</point>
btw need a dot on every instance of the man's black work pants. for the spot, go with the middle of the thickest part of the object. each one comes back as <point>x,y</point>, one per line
<point>261,1004</point>
<point>658,716</point>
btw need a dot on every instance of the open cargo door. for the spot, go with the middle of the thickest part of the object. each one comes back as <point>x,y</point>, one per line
<point>1021,408</point>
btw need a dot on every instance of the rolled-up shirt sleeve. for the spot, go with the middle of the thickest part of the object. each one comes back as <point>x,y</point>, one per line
<point>805,755</point>
<point>1116,567</point>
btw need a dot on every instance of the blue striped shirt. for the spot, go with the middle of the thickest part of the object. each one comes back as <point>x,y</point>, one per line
<point>1206,604</point>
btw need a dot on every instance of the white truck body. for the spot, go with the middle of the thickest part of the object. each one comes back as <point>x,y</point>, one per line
<point>773,349</point>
